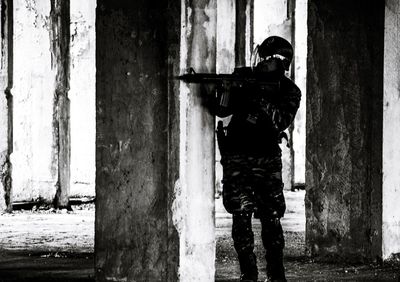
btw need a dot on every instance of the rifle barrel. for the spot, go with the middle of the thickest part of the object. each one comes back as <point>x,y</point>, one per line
<point>219,78</point>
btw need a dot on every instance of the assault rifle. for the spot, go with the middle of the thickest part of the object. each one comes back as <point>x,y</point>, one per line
<point>242,80</point>
<point>241,76</point>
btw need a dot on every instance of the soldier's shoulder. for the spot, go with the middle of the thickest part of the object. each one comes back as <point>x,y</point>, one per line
<point>289,86</point>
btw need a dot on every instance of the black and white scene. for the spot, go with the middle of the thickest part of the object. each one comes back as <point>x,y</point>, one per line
<point>199,140</point>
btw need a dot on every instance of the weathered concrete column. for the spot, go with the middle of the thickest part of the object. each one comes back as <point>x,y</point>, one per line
<point>244,32</point>
<point>391,129</point>
<point>226,28</point>
<point>137,141</point>
<point>60,55</point>
<point>344,129</point>
<point>6,102</point>
<point>197,160</point>
<point>300,75</point>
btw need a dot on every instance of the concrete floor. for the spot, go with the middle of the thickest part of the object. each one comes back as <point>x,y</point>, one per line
<point>48,245</point>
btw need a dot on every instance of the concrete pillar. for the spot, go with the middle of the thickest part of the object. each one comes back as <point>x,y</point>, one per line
<point>137,142</point>
<point>60,55</point>
<point>391,128</point>
<point>226,36</point>
<point>243,32</point>
<point>344,129</point>
<point>82,97</point>
<point>174,19</point>
<point>289,151</point>
<point>300,75</point>
<point>6,99</point>
<point>197,159</point>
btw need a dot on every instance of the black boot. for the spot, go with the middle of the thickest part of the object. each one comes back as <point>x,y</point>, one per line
<point>273,240</point>
<point>248,267</point>
<point>243,239</point>
<point>275,268</point>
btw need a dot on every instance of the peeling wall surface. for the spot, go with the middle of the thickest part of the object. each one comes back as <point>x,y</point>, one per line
<point>82,97</point>
<point>34,163</point>
<point>344,128</point>
<point>132,241</point>
<point>391,129</point>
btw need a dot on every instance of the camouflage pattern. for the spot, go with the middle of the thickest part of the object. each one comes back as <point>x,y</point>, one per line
<point>252,173</point>
<point>273,241</point>
<point>243,239</point>
<point>253,184</point>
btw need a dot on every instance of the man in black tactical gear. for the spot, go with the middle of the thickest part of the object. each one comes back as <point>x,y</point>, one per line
<point>251,157</point>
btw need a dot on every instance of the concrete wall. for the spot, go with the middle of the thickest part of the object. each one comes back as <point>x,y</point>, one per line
<point>35,166</point>
<point>271,18</point>
<point>391,128</point>
<point>41,85</point>
<point>344,128</point>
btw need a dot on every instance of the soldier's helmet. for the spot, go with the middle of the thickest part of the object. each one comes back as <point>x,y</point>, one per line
<point>276,47</point>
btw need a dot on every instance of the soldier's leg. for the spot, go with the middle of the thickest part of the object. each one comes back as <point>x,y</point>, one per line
<point>243,239</point>
<point>271,204</point>
<point>273,241</point>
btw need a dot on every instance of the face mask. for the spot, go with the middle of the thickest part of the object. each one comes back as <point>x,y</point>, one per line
<point>271,65</point>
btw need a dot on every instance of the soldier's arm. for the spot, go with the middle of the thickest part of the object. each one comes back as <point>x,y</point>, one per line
<point>280,114</point>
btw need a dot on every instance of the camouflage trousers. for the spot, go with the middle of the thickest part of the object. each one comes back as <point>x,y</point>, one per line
<point>255,185</point>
